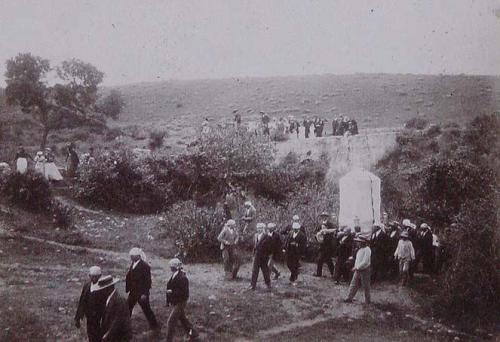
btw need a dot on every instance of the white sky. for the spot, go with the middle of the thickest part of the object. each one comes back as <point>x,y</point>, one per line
<point>146,40</point>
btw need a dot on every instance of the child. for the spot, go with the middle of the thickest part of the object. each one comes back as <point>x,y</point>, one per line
<point>406,254</point>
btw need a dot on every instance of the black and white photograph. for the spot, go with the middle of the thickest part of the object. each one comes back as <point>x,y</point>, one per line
<point>249,170</point>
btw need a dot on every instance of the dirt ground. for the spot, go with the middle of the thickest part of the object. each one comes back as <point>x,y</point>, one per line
<point>41,282</point>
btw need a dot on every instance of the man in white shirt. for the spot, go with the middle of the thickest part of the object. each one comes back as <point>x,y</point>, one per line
<point>361,277</point>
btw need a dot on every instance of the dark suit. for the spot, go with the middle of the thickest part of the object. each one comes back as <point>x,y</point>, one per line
<point>275,251</point>
<point>116,325</point>
<point>295,248</point>
<point>379,247</point>
<point>393,239</point>
<point>263,249</point>
<point>179,285</point>
<point>327,250</point>
<point>91,306</point>
<point>427,250</point>
<point>342,269</point>
<point>137,284</point>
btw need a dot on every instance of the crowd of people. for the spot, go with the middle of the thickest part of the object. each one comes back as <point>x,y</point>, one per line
<point>108,314</point>
<point>307,127</point>
<point>44,162</point>
<point>392,251</point>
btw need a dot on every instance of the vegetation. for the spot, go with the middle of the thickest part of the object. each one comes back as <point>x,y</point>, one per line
<point>451,178</point>
<point>111,105</point>
<point>68,104</point>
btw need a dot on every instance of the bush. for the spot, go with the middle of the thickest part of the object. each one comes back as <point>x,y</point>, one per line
<point>417,123</point>
<point>194,230</point>
<point>156,139</point>
<point>112,104</point>
<point>62,214</point>
<point>29,191</point>
<point>122,182</point>
<point>454,183</point>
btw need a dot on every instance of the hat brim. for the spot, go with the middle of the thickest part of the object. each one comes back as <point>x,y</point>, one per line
<point>115,280</point>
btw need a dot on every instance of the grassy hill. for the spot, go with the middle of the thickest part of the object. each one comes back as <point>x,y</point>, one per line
<point>376,100</point>
<point>178,107</point>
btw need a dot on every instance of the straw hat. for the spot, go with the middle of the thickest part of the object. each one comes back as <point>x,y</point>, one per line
<point>95,271</point>
<point>296,225</point>
<point>175,263</point>
<point>105,282</point>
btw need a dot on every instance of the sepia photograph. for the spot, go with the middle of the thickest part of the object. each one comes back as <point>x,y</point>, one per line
<point>249,170</point>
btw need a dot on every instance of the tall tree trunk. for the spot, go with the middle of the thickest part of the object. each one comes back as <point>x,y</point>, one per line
<point>44,137</point>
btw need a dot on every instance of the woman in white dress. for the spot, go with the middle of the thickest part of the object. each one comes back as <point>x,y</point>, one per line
<point>22,160</point>
<point>40,163</point>
<point>51,171</point>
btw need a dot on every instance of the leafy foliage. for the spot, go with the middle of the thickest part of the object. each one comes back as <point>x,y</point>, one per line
<point>446,178</point>
<point>194,230</point>
<point>120,181</point>
<point>30,191</point>
<point>112,104</point>
<point>58,106</point>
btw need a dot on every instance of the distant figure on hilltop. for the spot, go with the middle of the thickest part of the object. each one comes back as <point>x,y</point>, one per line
<point>237,118</point>
<point>72,160</point>
<point>265,122</point>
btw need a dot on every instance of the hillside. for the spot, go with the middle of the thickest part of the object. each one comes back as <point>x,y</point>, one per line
<point>376,100</point>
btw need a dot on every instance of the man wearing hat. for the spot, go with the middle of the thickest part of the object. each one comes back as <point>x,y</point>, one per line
<point>411,229</point>
<point>295,246</point>
<point>138,284</point>
<point>249,217</point>
<point>405,254</point>
<point>116,325</point>
<point>261,253</point>
<point>379,247</point>
<point>426,248</point>
<point>228,239</point>
<point>326,236</point>
<point>91,306</point>
<point>361,277</point>
<point>393,240</point>
<point>275,249</point>
<point>342,269</point>
<point>177,296</point>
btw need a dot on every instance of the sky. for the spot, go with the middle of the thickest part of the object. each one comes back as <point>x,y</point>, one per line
<point>147,40</point>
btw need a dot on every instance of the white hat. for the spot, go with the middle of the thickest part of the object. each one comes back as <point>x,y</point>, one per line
<point>407,223</point>
<point>271,225</point>
<point>95,271</point>
<point>106,281</point>
<point>296,225</point>
<point>295,217</point>
<point>248,203</point>
<point>261,225</point>
<point>175,263</point>
<point>425,225</point>
<point>135,251</point>
<point>231,222</point>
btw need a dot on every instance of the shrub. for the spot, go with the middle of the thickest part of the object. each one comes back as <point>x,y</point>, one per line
<point>156,139</point>
<point>62,214</point>
<point>29,191</point>
<point>112,134</point>
<point>120,181</point>
<point>112,104</point>
<point>417,123</point>
<point>194,230</point>
<point>456,182</point>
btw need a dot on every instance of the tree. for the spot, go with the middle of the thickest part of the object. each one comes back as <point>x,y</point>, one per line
<point>57,106</point>
<point>112,104</point>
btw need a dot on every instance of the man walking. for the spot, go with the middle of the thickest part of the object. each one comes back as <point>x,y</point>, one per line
<point>261,253</point>
<point>275,249</point>
<point>294,248</point>
<point>138,284</point>
<point>178,295</point>
<point>361,277</point>
<point>405,254</point>
<point>326,236</point>
<point>116,325</point>
<point>91,306</point>
<point>342,269</point>
<point>379,242</point>
<point>228,239</point>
